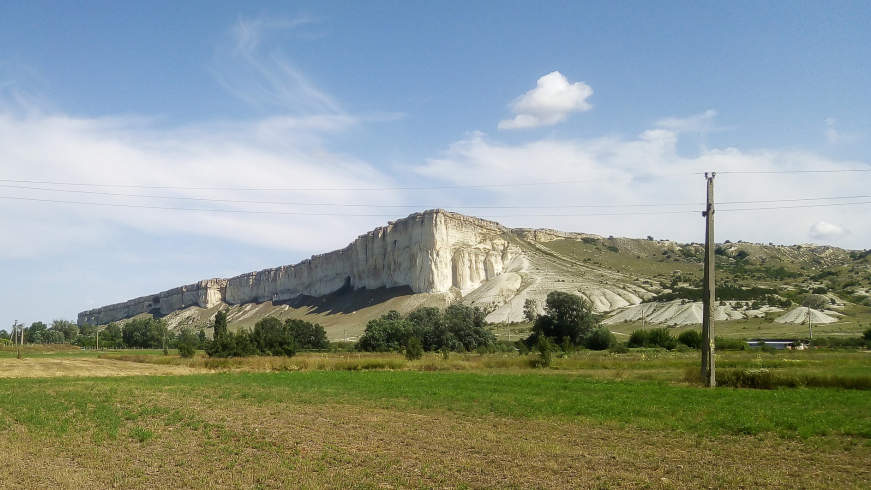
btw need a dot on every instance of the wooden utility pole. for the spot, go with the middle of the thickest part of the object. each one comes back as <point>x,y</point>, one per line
<point>709,293</point>
<point>810,326</point>
<point>15,328</point>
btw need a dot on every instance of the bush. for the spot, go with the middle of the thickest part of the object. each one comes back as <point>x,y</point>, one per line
<point>600,339</point>
<point>655,337</point>
<point>867,335</point>
<point>721,343</point>
<point>545,352</point>
<point>187,343</point>
<point>839,342</point>
<point>637,339</point>
<point>660,337</point>
<point>691,338</point>
<point>413,349</point>
<point>618,348</point>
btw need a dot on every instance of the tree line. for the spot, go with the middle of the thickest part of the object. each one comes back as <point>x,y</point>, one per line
<point>270,336</point>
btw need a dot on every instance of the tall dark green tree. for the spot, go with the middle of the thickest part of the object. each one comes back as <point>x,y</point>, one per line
<point>220,324</point>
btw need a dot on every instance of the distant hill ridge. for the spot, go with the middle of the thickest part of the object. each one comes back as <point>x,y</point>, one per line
<point>436,257</point>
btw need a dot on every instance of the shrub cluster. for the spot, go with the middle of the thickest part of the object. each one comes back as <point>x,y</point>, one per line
<point>655,337</point>
<point>458,328</point>
<point>570,322</point>
<point>269,337</point>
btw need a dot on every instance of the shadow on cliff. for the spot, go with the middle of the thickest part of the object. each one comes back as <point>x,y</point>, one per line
<point>347,300</point>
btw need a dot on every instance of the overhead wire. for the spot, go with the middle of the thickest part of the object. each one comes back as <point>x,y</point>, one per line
<point>425,206</point>
<point>299,213</point>
<point>333,188</point>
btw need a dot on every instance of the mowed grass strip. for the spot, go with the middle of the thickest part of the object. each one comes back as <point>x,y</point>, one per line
<point>56,405</point>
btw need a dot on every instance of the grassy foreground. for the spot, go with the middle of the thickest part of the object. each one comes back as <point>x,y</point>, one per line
<point>413,428</point>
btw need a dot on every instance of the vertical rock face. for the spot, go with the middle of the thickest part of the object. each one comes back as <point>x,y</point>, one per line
<point>432,251</point>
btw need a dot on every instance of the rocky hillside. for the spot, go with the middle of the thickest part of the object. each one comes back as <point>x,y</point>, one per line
<point>436,257</point>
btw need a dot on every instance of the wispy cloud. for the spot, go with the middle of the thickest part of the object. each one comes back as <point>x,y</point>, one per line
<point>703,122</point>
<point>267,78</point>
<point>836,136</point>
<point>549,103</point>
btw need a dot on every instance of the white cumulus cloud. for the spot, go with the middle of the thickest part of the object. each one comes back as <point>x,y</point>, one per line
<point>641,185</point>
<point>823,230</point>
<point>549,103</point>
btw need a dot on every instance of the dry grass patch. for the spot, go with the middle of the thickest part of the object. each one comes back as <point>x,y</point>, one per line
<point>44,367</point>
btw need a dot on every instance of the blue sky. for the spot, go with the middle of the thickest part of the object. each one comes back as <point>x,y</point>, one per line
<point>394,94</point>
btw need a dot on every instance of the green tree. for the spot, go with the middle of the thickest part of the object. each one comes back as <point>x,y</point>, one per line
<point>146,333</point>
<point>429,325</point>
<point>69,329</point>
<point>530,309</point>
<point>36,333</point>
<point>239,344</point>
<point>566,315</point>
<point>467,325</point>
<point>815,301</point>
<point>307,335</point>
<point>600,339</point>
<point>53,337</point>
<point>4,335</point>
<point>187,342</point>
<point>384,334</point>
<point>271,337</point>
<point>220,324</point>
<point>111,336</point>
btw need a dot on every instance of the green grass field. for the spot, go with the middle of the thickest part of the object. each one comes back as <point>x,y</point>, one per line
<point>595,419</point>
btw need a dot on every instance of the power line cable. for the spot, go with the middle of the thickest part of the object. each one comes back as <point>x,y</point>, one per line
<point>298,213</point>
<point>798,206</point>
<point>424,206</point>
<point>372,205</point>
<point>339,188</point>
<point>250,211</point>
<point>832,171</point>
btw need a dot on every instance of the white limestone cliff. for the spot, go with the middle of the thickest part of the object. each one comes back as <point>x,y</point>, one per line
<point>433,251</point>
